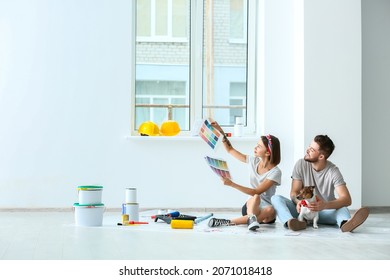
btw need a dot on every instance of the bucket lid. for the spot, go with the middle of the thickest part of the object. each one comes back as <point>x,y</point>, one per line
<point>88,205</point>
<point>90,187</point>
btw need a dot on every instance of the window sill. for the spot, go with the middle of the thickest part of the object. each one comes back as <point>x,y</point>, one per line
<point>138,138</point>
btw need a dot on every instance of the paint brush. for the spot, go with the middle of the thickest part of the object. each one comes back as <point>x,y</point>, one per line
<point>137,223</point>
<point>132,223</point>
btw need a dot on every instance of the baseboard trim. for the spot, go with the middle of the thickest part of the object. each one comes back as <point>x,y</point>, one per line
<point>108,209</point>
<point>375,209</point>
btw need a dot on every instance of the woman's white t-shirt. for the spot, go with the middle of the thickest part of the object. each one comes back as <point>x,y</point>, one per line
<point>275,175</point>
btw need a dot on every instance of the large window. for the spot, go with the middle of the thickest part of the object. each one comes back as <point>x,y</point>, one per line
<point>193,60</point>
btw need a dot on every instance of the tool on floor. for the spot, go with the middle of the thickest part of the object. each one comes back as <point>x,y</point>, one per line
<point>164,218</point>
<point>171,214</point>
<point>168,219</point>
<point>200,219</point>
<point>137,223</point>
<point>129,223</point>
<point>182,224</point>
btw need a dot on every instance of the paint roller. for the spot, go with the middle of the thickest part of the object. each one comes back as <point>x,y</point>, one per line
<point>182,224</point>
<point>188,224</point>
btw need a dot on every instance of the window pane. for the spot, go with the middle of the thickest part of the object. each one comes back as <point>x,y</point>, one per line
<point>161,17</point>
<point>143,17</point>
<point>236,19</point>
<point>224,62</point>
<point>179,17</point>
<point>142,114</point>
<point>237,98</point>
<point>162,68</point>
<point>159,114</point>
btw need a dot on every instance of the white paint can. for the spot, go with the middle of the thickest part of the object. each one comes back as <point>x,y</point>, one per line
<point>132,209</point>
<point>88,215</point>
<point>131,195</point>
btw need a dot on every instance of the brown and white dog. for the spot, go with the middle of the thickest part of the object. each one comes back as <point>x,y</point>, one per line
<point>307,196</point>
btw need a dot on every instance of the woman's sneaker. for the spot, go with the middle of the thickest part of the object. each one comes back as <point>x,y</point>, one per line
<point>214,222</point>
<point>252,222</point>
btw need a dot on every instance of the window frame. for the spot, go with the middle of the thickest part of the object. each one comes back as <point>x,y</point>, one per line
<point>196,68</point>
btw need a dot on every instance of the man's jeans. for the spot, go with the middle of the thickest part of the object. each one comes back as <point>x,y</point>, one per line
<point>286,210</point>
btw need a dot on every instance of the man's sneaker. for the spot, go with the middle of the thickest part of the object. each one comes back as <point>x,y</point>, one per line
<point>357,219</point>
<point>295,224</point>
<point>214,222</point>
<point>252,223</point>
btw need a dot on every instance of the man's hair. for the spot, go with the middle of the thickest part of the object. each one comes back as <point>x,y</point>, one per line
<point>326,145</point>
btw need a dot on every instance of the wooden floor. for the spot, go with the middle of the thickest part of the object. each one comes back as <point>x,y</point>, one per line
<point>52,235</point>
<point>47,245</point>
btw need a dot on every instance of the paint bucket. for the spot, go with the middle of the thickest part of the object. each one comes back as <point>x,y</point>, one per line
<point>131,209</point>
<point>131,195</point>
<point>90,194</point>
<point>88,215</point>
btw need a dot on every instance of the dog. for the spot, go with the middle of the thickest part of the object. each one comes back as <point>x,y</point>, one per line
<point>307,196</point>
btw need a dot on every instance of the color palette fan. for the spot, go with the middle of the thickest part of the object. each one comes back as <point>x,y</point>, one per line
<point>209,134</point>
<point>219,166</point>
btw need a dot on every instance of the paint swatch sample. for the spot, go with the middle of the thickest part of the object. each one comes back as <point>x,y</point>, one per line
<point>219,166</point>
<point>209,134</point>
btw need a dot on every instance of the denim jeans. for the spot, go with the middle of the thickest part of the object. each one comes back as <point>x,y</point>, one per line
<point>286,210</point>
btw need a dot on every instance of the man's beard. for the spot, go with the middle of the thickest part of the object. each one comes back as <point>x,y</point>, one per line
<point>311,160</point>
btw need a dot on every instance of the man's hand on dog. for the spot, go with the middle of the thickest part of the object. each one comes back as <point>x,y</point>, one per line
<point>313,206</point>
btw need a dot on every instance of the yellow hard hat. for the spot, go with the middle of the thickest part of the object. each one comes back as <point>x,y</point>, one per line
<point>169,128</point>
<point>148,128</point>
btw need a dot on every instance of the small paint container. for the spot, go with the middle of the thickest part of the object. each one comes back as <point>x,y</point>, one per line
<point>125,219</point>
<point>90,194</point>
<point>131,195</point>
<point>132,209</point>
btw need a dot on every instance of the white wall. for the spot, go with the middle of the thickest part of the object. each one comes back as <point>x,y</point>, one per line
<point>64,106</point>
<point>279,84</point>
<point>376,100</point>
<point>65,99</point>
<point>333,83</point>
<point>64,85</point>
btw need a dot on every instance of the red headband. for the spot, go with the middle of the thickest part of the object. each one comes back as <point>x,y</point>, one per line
<point>269,148</point>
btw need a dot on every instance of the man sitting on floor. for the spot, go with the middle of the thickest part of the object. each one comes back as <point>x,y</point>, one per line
<point>315,170</point>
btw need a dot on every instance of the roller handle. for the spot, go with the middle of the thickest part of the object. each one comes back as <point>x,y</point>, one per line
<point>200,219</point>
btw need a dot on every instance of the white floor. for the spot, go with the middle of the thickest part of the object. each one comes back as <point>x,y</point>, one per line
<point>52,235</point>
